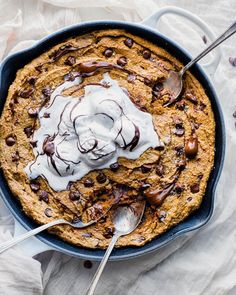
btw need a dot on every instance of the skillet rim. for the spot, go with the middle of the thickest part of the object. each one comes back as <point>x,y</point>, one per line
<point>193,222</point>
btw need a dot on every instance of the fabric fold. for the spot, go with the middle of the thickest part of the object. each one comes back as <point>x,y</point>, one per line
<point>200,263</point>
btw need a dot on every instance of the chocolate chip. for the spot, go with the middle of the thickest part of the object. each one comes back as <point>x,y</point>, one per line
<point>33,143</point>
<point>46,115</point>
<point>194,124</point>
<point>70,61</point>
<point>75,196</point>
<point>144,186</point>
<point>76,219</point>
<point>179,128</point>
<point>161,215</point>
<point>108,52</point>
<point>114,167</point>
<point>28,131</point>
<point>101,177</point>
<point>204,39</point>
<point>180,105</point>
<point>48,212</point>
<point>158,87</point>
<point>146,168</point>
<point>200,176</point>
<point>32,80</point>
<point>189,199</point>
<point>160,170</point>
<point>101,192</point>
<point>195,188</point>
<point>86,235</point>
<point>191,97</point>
<point>109,232</point>
<point>147,81</point>
<point>43,196</point>
<point>129,42</point>
<point>11,105</point>
<point>202,106</point>
<point>146,53</point>
<point>39,68</point>
<point>35,186</point>
<point>88,264</point>
<point>10,140</point>
<point>160,147</point>
<point>179,188</point>
<point>191,147</point>
<point>15,156</point>
<point>26,93</point>
<point>14,100</point>
<point>179,150</point>
<point>122,61</point>
<point>33,113</point>
<point>88,182</point>
<point>47,91</point>
<point>48,148</point>
<point>131,78</point>
<point>232,61</point>
<point>181,164</point>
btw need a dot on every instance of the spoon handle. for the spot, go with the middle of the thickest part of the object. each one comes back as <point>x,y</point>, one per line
<point>8,244</point>
<point>102,265</point>
<point>230,31</point>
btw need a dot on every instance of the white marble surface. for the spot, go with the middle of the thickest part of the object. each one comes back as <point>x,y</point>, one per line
<point>201,263</point>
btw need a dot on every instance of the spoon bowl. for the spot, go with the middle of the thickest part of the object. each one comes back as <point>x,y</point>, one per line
<point>125,219</point>
<point>174,82</point>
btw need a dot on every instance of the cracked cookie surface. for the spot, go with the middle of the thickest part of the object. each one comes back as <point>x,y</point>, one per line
<point>172,178</point>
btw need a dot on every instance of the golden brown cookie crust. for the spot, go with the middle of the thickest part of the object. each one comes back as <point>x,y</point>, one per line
<point>147,66</point>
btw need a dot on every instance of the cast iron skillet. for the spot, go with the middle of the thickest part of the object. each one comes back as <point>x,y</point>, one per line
<point>16,61</point>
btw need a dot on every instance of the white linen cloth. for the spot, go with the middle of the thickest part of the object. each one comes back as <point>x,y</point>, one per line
<point>202,265</point>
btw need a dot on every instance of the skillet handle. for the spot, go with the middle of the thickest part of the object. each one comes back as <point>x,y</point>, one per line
<point>152,21</point>
<point>32,246</point>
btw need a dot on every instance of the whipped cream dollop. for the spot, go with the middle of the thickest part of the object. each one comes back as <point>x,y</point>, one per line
<point>77,135</point>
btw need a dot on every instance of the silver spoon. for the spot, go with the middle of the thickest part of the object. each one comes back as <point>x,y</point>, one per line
<point>125,220</point>
<point>174,81</point>
<point>8,244</point>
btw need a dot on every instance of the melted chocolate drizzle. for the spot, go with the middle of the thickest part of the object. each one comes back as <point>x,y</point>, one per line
<point>87,69</point>
<point>48,145</point>
<point>64,49</point>
<point>135,139</point>
<point>90,68</point>
<point>157,197</point>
